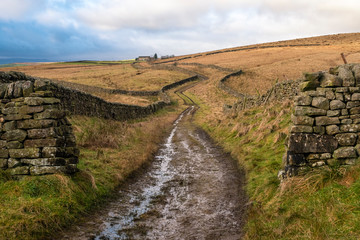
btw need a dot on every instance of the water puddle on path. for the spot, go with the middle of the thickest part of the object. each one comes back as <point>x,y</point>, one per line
<point>192,190</point>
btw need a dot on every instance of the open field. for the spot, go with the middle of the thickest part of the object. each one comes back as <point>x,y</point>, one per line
<point>118,76</point>
<point>321,205</point>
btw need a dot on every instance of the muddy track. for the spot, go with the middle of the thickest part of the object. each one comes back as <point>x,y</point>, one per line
<point>191,190</point>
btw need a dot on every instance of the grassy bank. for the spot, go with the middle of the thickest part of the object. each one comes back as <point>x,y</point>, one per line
<point>36,207</point>
<point>323,204</point>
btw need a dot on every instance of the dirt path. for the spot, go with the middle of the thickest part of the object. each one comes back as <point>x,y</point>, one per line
<point>192,190</point>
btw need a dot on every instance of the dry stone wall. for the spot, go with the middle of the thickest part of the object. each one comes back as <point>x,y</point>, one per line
<point>82,103</point>
<point>326,121</point>
<point>35,136</point>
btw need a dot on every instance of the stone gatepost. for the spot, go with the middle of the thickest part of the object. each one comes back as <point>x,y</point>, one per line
<point>35,136</point>
<point>326,121</point>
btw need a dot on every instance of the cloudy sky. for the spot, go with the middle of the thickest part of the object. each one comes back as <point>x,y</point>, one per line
<point>124,29</point>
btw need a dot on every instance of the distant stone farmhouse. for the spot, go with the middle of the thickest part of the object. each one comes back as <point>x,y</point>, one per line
<point>144,58</point>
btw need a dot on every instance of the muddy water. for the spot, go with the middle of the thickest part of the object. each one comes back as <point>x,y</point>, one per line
<point>192,190</point>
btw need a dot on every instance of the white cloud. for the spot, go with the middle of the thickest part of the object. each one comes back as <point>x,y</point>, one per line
<point>17,9</point>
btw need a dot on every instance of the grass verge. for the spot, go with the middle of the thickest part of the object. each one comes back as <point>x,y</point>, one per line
<point>323,204</point>
<point>36,207</point>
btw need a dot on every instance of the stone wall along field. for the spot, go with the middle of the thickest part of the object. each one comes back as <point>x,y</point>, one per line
<point>326,121</point>
<point>35,136</point>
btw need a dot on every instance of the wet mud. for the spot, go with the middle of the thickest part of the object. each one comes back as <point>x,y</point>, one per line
<point>192,190</point>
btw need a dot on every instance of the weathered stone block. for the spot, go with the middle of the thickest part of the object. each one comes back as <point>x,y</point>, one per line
<point>342,89</point>
<point>9,90</point>
<point>34,101</point>
<point>329,80</point>
<point>14,135</point>
<point>25,153</point>
<point>354,89</point>
<point>303,100</point>
<point>356,121</point>
<point>13,163</point>
<point>50,114</point>
<point>31,123</point>
<point>309,85</point>
<point>52,142</point>
<point>27,88</point>
<point>337,104</point>
<point>320,102</point>
<point>309,111</point>
<point>355,110</point>
<point>42,170</point>
<point>350,161</point>
<point>324,121</point>
<point>318,164</point>
<point>312,143</point>
<point>345,152</point>
<point>13,117</point>
<point>42,133</point>
<point>350,128</point>
<point>346,121</point>
<point>352,104</point>
<point>41,85</point>
<point>18,89</point>
<point>8,126</point>
<point>346,139</point>
<point>332,129</point>
<point>333,113</point>
<point>42,94</point>
<point>14,145</point>
<point>302,120</point>
<point>313,93</point>
<point>330,95</point>
<point>324,156</point>
<point>51,152</point>
<point>10,110</point>
<point>355,116</point>
<point>30,109</point>
<point>301,129</point>
<point>347,76</point>
<point>44,161</point>
<point>24,170</point>
<point>339,96</point>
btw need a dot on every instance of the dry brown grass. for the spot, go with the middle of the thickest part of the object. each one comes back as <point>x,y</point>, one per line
<point>121,76</point>
<point>263,67</point>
